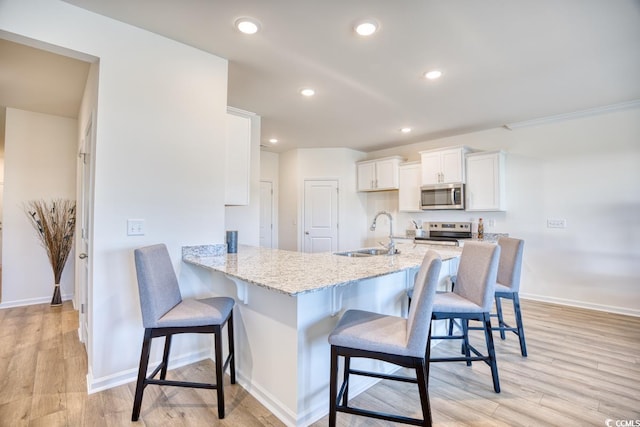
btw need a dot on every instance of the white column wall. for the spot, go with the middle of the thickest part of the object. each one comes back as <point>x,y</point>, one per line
<point>160,136</point>
<point>288,219</point>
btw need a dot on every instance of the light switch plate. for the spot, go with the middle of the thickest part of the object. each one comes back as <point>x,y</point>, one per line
<point>556,223</point>
<point>135,227</point>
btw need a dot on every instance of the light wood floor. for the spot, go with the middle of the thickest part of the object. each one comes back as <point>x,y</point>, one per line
<point>583,368</point>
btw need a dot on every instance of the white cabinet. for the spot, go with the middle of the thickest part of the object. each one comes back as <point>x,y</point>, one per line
<point>378,175</point>
<point>409,176</point>
<point>485,188</point>
<point>237,158</point>
<point>443,166</point>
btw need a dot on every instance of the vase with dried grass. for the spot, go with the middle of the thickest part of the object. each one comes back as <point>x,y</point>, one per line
<point>55,224</point>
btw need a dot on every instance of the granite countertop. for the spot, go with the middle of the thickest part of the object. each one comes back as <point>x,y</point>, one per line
<point>295,273</point>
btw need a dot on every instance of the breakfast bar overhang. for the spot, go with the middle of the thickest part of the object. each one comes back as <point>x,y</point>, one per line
<point>289,302</point>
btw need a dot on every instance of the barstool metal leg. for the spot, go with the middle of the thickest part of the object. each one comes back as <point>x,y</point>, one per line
<point>501,323</point>
<point>333,387</point>
<point>491,351</point>
<point>165,357</point>
<point>465,341</point>
<point>142,374</point>
<point>422,375</point>
<point>347,367</point>
<point>232,351</point>
<point>219,371</point>
<point>518,313</point>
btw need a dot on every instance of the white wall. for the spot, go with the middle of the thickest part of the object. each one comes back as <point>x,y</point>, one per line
<point>584,170</point>
<point>288,202</point>
<point>160,148</point>
<point>246,219</point>
<point>40,154</point>
<point>296,166</point>
<point>269,171</point>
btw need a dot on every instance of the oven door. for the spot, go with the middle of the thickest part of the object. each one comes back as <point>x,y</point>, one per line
<point>443,196</point>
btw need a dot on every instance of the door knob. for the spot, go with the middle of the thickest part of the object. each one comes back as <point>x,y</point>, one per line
<point>82,256</point>
<point>306,232</point>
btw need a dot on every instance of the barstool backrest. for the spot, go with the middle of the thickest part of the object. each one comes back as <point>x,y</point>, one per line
<point>424,291</point>
<point>157,283</point>
<point>510,264</point>
<point>477,273</point>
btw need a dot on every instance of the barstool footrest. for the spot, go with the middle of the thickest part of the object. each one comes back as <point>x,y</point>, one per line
<point>380,415</point>
<point>384,376</point>
<point>173,383</point>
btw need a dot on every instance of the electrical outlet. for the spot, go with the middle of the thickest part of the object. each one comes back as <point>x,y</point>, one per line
<point>556,223</point>
<point>135,227</point>
<point>491,223</point>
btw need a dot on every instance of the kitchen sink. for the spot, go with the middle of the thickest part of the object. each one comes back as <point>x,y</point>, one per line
<point>354,254</point>
<point>365,252</point>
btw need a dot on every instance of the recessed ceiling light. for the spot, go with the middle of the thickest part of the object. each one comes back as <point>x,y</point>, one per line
<point>273,141</point>
<point>307,92</point>
<point>433,74</point>
<point>247,25</point>
<point>366,28</point>
<point>405,130</point>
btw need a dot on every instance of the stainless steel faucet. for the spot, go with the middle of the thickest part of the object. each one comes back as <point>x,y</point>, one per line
<point>392,244</point>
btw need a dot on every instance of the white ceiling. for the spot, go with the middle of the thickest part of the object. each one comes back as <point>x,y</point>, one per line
<point>36,80</point>
<point>503,62</point>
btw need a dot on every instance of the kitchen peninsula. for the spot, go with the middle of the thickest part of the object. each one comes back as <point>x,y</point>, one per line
<point>289,302</point>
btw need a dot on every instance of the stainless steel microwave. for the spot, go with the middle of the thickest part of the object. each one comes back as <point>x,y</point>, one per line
<point>442,196</point>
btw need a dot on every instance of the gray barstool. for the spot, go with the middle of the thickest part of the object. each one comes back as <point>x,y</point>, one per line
<point>396,340</point>
<point>165,313</point>
<point>472,299</point>
<point>508,286</point>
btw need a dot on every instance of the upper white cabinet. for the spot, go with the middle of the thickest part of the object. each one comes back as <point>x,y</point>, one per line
<point>238,158</point>
<point>378,175</point>
<point>485,188</point>
<point>409,180</point>
<point>443,166</point>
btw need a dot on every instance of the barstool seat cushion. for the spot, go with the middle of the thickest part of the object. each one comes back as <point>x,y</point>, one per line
<point>369,331</point>
<point>450,302</point>
<point>503,288</point>
<point>197,312</point>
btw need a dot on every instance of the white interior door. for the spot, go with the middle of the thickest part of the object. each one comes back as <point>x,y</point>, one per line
<point>84,213</point>
<point>320,216</point>
<point>266,214</point>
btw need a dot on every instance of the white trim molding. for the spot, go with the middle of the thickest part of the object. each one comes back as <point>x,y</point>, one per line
<point>582,304</point>
<point>574,115</point>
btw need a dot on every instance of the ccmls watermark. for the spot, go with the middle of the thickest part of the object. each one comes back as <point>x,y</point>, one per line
<point>622,423</point>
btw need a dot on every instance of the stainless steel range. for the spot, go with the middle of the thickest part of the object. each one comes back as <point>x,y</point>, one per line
<point>446,233</point>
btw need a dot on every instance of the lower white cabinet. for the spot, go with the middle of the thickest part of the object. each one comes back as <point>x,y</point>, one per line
<point>409,180</point>
<point>485,188</point>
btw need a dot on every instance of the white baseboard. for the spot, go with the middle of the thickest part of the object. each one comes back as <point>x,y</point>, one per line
<point>581,304</point>
<point>95,385</point>
<point>274,405</point>
<point>31,301</point>
<point>356,386</point>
